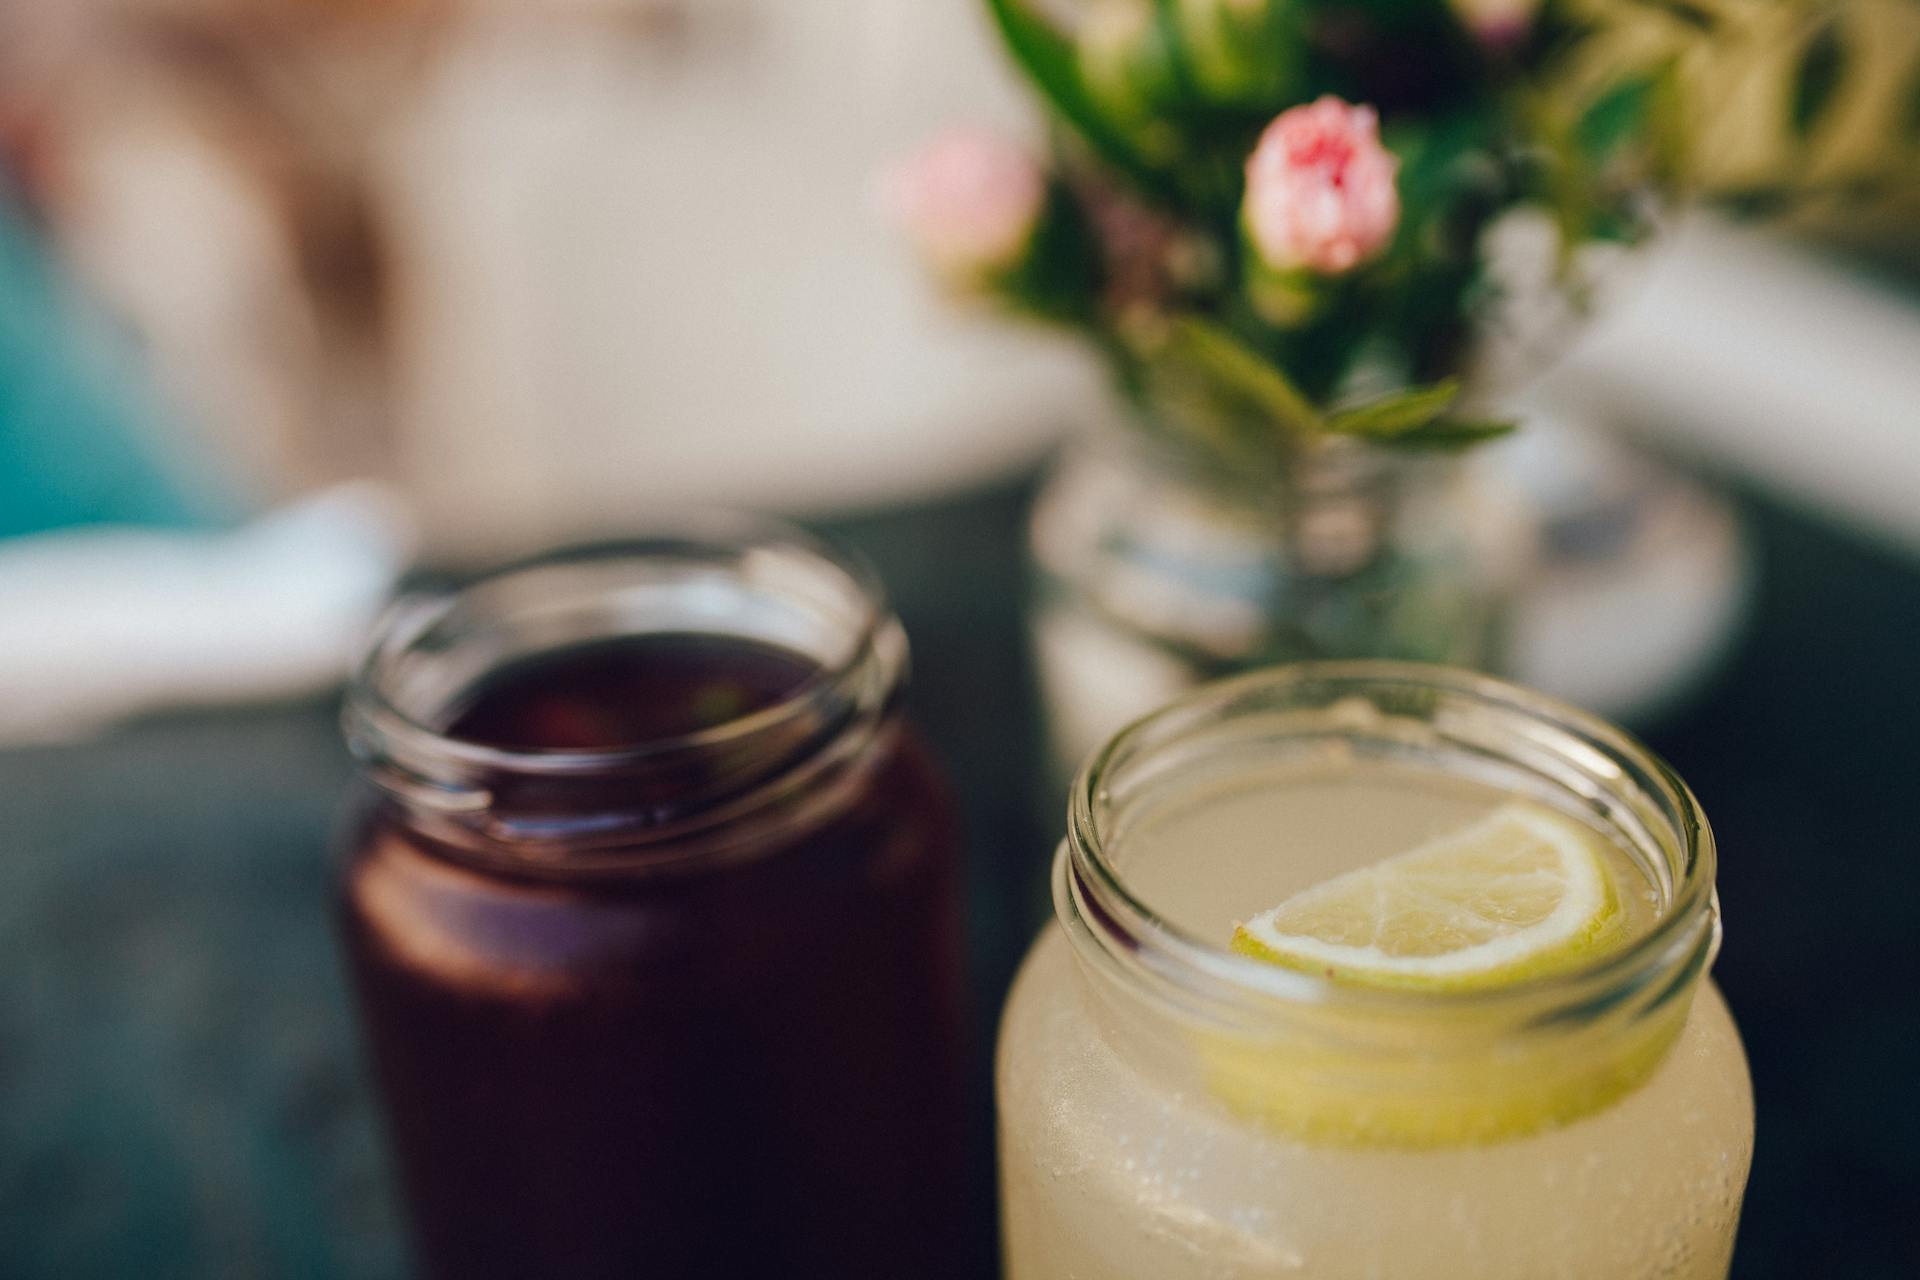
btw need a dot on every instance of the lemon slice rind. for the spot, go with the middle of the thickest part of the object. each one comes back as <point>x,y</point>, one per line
<point>1521,893</point>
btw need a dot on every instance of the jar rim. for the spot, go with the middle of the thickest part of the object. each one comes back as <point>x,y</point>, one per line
<point>1098,906</point>
<point>404,623</point>
<point>670,799</point>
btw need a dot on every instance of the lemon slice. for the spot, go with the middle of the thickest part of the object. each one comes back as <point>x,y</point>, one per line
<point>1521,893</point>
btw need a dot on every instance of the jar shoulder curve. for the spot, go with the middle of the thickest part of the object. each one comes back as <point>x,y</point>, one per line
<point>889,841</point>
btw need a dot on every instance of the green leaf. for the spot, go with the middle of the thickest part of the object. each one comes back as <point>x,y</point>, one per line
<point>1779,199</point>
<point>1910,109</point>
<point>1693,15</point>
<point>1050,62</point>
<point>1213,350</point>
<point>1668,125</point>
<point>1397,414</point>
<point>1059,279</point>
<point>1453,433</point>
<point>1758,201</point>
<point>1167,15</point>
<point>1618,115</point>
<point>1561,172</point>
<point>1817,78</point>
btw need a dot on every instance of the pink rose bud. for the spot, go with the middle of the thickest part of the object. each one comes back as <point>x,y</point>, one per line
<point>971,200</point>
<point>1320,194</point>
<point>1497,24</point>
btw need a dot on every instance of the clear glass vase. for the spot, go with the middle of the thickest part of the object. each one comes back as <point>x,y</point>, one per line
<point>1157,568</point>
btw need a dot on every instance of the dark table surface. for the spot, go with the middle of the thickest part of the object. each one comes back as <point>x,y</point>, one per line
<point>180,1092</point>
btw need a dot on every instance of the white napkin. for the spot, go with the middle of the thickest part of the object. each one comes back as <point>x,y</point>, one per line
<point>98,624</point>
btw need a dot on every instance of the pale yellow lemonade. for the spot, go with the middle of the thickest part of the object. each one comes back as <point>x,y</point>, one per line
<point>1549,1089</point>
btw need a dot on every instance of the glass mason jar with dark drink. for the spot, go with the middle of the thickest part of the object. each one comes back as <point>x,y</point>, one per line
<point>653,913</point>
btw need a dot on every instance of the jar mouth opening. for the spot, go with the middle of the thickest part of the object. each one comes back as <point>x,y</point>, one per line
<point>722,576</point>
<point>1095,899</point>
<point>718,555</point>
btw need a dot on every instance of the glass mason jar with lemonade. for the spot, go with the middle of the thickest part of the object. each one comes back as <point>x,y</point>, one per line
<point>1374,969</point>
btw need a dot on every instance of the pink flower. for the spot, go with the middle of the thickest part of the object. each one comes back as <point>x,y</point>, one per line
<point>970,199</point>
<point>1320,192</point>
<point>1498,24</point>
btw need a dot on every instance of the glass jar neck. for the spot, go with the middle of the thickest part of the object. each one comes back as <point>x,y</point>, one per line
<point>1256,464</point>
<point>676,801</point>
<point>1420,1058</point>
<point>1324,513</point>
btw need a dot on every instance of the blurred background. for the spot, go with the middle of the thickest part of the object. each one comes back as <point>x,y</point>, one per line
<point>300,298</point>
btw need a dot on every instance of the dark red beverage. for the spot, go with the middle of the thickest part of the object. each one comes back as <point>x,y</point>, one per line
<point>655,928</point>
